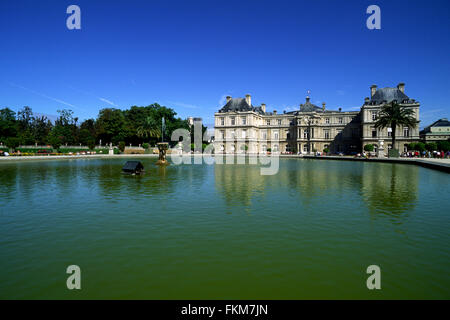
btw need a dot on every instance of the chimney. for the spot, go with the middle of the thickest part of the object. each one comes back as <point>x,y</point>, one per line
<point>248,99</point>
<point>228,98</point>
<point>401,87</point>
<point>307,98</point>
<point>323,106</point>
<point>373,89</point>
<point>274,111</point>
<point>263,107</point>
<point>340,109</point>
<point>366,100</point>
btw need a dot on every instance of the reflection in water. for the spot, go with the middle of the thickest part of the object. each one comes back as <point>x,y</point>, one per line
<point>390,189</point>
<point>170,225</point>
<point>238,183</point>
<point>387,189</point>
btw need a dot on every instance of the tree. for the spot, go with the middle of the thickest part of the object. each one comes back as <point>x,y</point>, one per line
<point>443,145</point>
<point>110,125</point>
<point>368,147</point>
<point>25,118</point>
<point>431,146</point>
<point>12,142</point>
<point>8,123</point>
<point>91,144</point>
<point>149,129</point>
<point>393,115</point>
<point>55,140</point>
<point>122,146</point>
<point>41,128</point>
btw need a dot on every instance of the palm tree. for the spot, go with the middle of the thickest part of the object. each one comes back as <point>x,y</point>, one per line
<point>149,129</point>
<point>392,115</point>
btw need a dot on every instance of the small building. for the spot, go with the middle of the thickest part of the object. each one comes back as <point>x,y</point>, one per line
<point>133,167</point>
<point>437,131</point>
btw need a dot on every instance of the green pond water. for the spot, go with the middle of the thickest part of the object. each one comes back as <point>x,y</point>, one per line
<point>223,231</point>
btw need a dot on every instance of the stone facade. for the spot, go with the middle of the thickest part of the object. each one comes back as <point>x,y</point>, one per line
<point>437,131</point>
<point>241,127</point>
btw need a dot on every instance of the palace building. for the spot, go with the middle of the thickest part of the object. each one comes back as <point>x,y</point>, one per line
<point>242,127</point>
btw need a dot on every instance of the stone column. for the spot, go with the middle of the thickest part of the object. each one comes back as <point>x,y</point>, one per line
<point>380,150</point>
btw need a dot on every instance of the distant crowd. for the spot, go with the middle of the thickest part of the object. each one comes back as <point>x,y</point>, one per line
<point>426,154</point>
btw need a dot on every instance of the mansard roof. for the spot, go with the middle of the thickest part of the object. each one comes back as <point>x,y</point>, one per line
<point>240,104</point>
<point>387,95</point>
<point>440,123</point>
<point>309,107</point>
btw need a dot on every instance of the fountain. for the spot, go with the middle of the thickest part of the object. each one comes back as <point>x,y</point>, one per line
<point>162,147</point>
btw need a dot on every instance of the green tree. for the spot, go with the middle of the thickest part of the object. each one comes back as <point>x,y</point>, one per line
<point>55,139</point>
<point>149,129</point>
<point>12,142</point>
<point>110,125</point>
<point>8,124</point>
<point>431,146</point>
<point>91,144</point>
<point>368,147</point>
<point>443,145</point>
<point>122,146</point>
<point>393,115</point>
<point>41,128</point>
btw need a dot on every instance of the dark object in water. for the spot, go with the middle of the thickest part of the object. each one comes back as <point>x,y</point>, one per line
<point>135,167</point>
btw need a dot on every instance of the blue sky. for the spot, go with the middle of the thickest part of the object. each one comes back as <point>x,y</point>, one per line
<point>189,55</point>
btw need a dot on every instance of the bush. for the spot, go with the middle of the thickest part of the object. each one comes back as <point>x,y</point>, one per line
<point>443,146</point>
<point>91,144</point>
<point>12,142</point>
<point>368,147</point>
<point>326,150</point>
<point>432,146</point>
<point>122,146</point>
<point>145,145</point>
<point>416,146</point>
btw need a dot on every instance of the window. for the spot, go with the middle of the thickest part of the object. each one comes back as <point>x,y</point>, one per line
<point>305,134</point>
<point>222,134</point>
<point>244,121</point>
<point>327,120</point>
<point>279,122</point>
<point>232,134</point>
<point>340,120</point>
<point>244,134</point>
<point>374,133</point>
<point>326,134</point>
<point>374,115</point>
<point>222,121</point>
<point>268,122</point>
<point>233,121</point>
<point>275,135</point>
<point>406,132</point>
<point>389,130</point>
<point>305,148</point>
<point>264,135</point>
